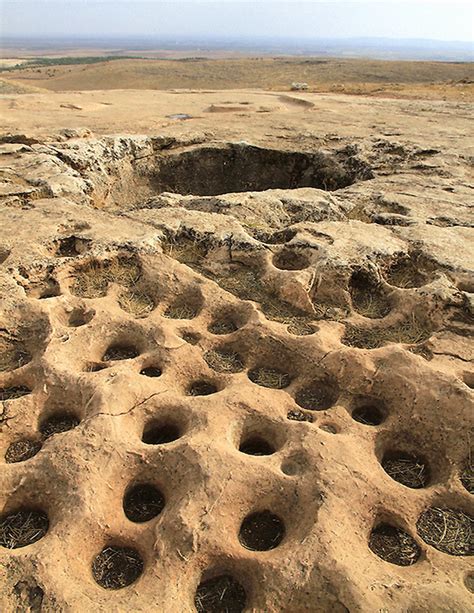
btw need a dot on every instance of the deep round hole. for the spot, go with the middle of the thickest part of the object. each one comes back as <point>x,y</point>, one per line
<point>116,567</point>
<point>151,371</point>
<point>181,311</point>
<point>120,352</point>
<point>95,367</point>
<point>192,338</point>
<point>12,393</point>
<point>80,317</point>
<point>159,434</point>
<point>202,388</point>
<point>318,397</point>
<point>261,531</point>
<point>289,259</point>
<point>61,422</point>
<point>269,377</point>
<point>368,414</point>
<point>394,545</point>
<point>222,594</point>
<point>407,469</point>
<point>22,528</point>
<point>447,530</point>
<point>143,502</point>
<point>256,445</point>
<point>22,450</point>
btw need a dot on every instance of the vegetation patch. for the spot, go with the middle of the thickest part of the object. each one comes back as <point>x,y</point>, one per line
<point>447,530</point>
<point>261,531</point>
<point>412,331</point>
<point>137,303</point>
<point>116,567</point>
<point>394,545</point>
<point>269,377</point>
<point>224,360</point>
<point>13,353</point>
<point>22,450</point>
<point>92,280</point>
<point>406,469</point>
<point>22,528</point>
<point>222,594</point>
<point>142,503</point>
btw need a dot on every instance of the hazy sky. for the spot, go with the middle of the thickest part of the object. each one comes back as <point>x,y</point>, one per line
<point>239,18</point>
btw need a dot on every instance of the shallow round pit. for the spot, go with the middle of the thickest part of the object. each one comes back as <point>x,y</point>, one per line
<point>80,317</point>
<point>61,422</point>
<point>143,502</point>
<point>408,469</point>
<point>116,567</point>
<point>224,360</point>
<point>368,414</point>
<point>160,433</point>
<point>120,352</point>
<point>269,377</point>
<point>261,531</point>
<point>22,527</point>
<point>256,445</point>
<point>202,388</point>
<point>448,530</point>
<point>151,371</point>
<point>319,396</point>
<point>289,259</point>
<point>222,326</point>
<point>22,450</point>
<point>221,594</point>
<point>394,545</point>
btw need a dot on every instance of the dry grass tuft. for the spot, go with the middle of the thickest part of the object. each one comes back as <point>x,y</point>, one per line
<point>21,450</point>
<point>447,530</point>
<point>136,303</point>
<point>92,281</point>
<point>412,331</point>
<point>270,377</point>
<point>222,326</point>
<point>22,528</point>
<point>467,475</point>
<point>12,393</point>
<point>407,470</point>
<point>180,311</point>
<point>370,304</point>
<point>13,353</point>
<point>188,251</point>
<point>221,594</point>
<point>393,545</point>
<point>224,360</point>
<point>117,567</point>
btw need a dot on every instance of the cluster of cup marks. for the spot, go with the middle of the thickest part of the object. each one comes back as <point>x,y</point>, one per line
<point>117,566</point>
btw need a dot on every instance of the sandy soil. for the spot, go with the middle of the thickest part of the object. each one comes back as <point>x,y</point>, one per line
<point>236,356</point>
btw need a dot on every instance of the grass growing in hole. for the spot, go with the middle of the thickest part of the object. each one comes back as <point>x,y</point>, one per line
<point>136,303</point>
<point>408,273</point>
<point>412,331</point>
<point>223,360</point>
<point>92,281</point>
<point>222,594</point>
<point>298,415</point>
<point>117,567</point>
<point>269,377</point>
<point>319,397</point>
<point>394,545</point>
<point>22,528</point>
<point>180,311</point>
<point>142,503</point>
<point>202,388</point>
<point>224,326</point>
<point>467,475</point>
<point>370,304</point>
<point>12,393</point>
<point>407,470</point>
<point>22,450</point>
<point>13,353</point>
<point>59,423</point>
<point>261,531</point>
<point>120,352</point>
<point>368,414</point>
<point>186,250</point>
<point>447,530</point>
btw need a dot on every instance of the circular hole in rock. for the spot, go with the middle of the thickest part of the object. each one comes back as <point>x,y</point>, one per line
<point>58,423</point>
<point>447,530</point>
<point>330,428</point>
<point>192,338</point>
<point>160,433</point>
<point>469,582</point>
<point>202,388</point>
<point>394,545</point>
<point>22,528</point>
<point>12,393</point>
<point>269,377</point>
<point>294,465</point>
<point>319,396</point>
<point>120,352</point>
<point>407,469</point>
<point>261,531</point>
<point>289,259</point>
<point>298,415</point>
<point>222,326</point>
<point>467,475</point>
<point>368,414</point>
<point>95,367</point>
<point>116,567</point>
<point>143,502</point>
<point>256,445</point>
<point>151,371</point>
<point>181,311</point>
<point>80,317</point>
<point>22,450</point>
<point>222,594</point>
<point>224,360</point>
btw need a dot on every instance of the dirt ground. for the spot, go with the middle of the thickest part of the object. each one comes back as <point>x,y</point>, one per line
<point>236,355</point>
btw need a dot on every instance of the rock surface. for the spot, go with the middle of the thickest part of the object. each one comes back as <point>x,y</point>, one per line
<point>247,324</point>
